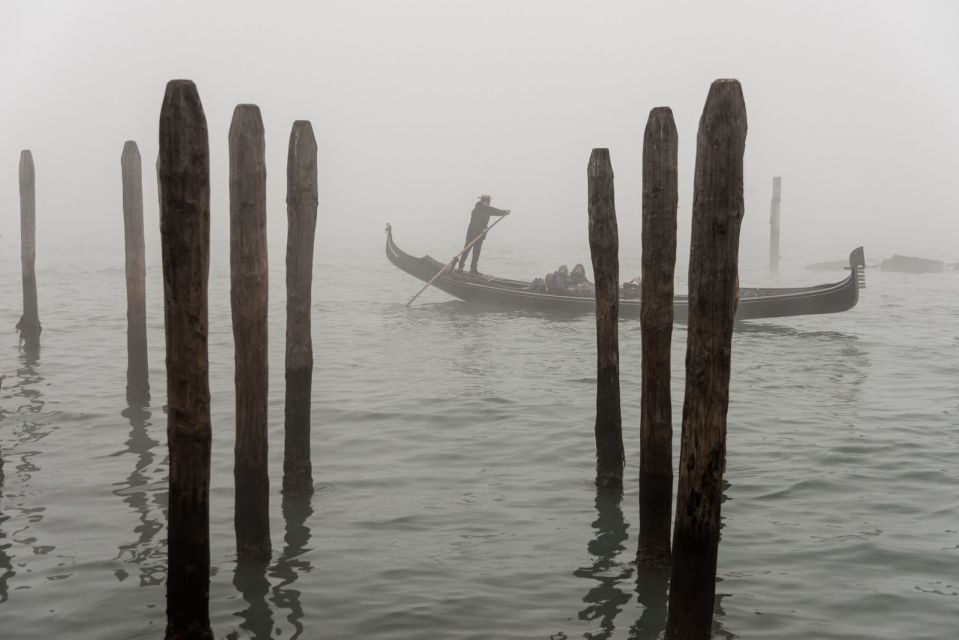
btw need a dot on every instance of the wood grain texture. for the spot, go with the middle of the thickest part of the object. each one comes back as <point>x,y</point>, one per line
<point>301,204</point>
<point>249,280</point>
<point>660,200</point>
<point>604,249</point>
<point>184,170</point>
<point>713,277</point>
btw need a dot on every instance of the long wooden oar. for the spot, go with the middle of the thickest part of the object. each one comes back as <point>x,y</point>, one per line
<point>455,258</point>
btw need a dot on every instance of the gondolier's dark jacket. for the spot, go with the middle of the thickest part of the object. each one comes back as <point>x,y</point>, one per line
<point>479,219</point>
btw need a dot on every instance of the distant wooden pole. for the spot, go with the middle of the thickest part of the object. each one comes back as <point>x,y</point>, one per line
<point>248,294</point>
<point>29,324</point>
<point>185,234</point>
<point>604,248</point>
<point>774,225</point>
<point>660,199</point>
<point>713,273</point>
<point>301,203</point>
<point>138,376</point>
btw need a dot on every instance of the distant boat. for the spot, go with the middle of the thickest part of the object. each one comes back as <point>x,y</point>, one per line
<point>503,293</point>
<point>909,264</point>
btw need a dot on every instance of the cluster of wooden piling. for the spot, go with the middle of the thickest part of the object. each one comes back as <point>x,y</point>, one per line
<point>713,295</point>
<point>183,173</point>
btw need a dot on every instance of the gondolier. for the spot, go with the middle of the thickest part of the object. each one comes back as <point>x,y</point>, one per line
<point>479,220</point>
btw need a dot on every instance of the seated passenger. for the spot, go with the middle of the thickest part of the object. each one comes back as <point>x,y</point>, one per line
<point>632,289</point>
<point>579,284</point>
<point>537,285</point>
<point>558,281</point>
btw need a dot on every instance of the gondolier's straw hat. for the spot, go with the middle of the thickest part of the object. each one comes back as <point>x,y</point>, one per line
<point>484,196</point>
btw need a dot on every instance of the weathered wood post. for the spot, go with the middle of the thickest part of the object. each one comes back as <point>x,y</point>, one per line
<point>604,249</point>
<point>29,324</point>
<point>660,199</point>
<point>248,295</point>
<point>185,234</point>
<point>774,225</point>
<point>713,273</point>
<point>301,202</point>
<point>138,377</point>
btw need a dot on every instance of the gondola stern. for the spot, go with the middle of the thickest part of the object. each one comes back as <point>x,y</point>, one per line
<point>857,264</point>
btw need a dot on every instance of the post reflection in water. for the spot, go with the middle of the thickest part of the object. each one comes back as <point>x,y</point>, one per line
<point>144,491</point>
<point>28,429</point>
<point>6,562</point>
<point>652,595</point>
<point>290,565</point>
<point>607,597</point>
<point>250,580</point>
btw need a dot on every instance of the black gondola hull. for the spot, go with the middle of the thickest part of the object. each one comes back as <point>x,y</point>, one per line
<point>503,293</point>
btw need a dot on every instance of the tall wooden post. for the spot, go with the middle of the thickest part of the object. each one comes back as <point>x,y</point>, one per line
<point>660,199</point>
<point>301,202</point>
<point>713,273</point>
<point>604,248</point>
<point>138,377</point>
<point>185,234</point>
<point>774,225</point>
<point>248,294</point>
<point>29,324</point>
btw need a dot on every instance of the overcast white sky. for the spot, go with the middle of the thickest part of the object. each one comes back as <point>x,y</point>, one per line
<point>420,106</point>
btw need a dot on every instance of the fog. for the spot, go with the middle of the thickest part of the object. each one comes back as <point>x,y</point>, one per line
<point>418,107</point>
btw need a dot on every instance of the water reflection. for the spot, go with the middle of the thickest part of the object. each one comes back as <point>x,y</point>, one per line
<point>250,580</point>
<point>835,358</point>
<point>607,597</point>
<point>718,613</point>
<point>652,594</point>
<point>144,491</point>
<point>291,563</point>
<point>28,404</point>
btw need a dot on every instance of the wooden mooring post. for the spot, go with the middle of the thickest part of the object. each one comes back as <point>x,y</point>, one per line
<point>604,249</point>
<point>248,295</point>
<point>660,200</point>
<point>184,169</point>
<point>138,376</point>
<point>774,256</point>
<point>301,203</point>
<point>713,275</point>
<point>29,323</point>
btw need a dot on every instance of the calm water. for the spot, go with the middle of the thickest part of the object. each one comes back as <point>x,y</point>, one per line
<point>453,456</point>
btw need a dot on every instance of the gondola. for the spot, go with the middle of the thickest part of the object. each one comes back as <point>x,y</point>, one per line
<point>503,293</point>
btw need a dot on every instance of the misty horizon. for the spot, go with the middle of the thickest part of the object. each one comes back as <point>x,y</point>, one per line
<point>419,108</point>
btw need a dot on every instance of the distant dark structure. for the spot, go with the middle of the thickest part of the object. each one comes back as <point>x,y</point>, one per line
<point>138,375</point>
<point>248,296</point>
<point>29,324</point>
<point>774,256</point>
<point>660,201</point>
<point>713,293</point>
<point>301,203</point>
<point>909,264</point>
<point>604,248</point>
<point>184,170</point>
